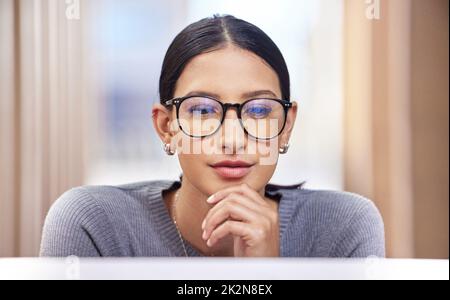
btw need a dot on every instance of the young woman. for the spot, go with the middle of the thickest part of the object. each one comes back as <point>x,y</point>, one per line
<point>225,110</point>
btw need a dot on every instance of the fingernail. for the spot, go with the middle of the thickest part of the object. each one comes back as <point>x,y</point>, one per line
<point>204,234</point>
<point>203,224</point>
<point>208,243</point>
<point>210,199</point>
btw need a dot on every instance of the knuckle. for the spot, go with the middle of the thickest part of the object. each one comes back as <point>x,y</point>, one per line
<point>260,233</point>
<point>229,204</point>
<point>267,223</point>
<point>227,225</point>
<point>231,196</point>
<point>273,216</point>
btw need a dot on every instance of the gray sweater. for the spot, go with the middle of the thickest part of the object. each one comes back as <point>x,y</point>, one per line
<point>132,221</point>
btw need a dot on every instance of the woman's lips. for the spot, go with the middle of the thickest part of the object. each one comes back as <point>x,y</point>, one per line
<point>232,169</point>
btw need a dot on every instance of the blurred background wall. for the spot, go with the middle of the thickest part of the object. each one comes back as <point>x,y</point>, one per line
<point>78,79</point>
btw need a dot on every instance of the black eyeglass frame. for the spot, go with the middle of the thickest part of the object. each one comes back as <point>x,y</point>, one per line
<point>179,100</point>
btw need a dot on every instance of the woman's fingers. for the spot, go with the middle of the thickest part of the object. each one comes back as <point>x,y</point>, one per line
<point>249,217</point>
<point>243,189</point>
<point>235,228</point>
<point>230,209</point>
<point>234,197</point>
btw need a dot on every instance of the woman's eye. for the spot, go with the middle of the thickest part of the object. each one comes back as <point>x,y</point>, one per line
<point>202,110</point>
<point>258,111</point>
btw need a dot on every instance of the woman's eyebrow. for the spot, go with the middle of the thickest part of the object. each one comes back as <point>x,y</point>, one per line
<point>258,93</point>
<point>202,93</point>
<point>244,95</point>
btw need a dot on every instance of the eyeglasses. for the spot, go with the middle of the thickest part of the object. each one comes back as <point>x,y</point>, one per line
<point>202,116</point>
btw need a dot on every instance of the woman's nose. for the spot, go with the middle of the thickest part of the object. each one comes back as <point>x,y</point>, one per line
<point>233,135</point>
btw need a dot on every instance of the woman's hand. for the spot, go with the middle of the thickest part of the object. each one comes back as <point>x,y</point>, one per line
<point>243,213</point>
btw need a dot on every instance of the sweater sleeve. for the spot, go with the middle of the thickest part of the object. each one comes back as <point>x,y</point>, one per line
<point>74,226</point>
<point>363,236</point>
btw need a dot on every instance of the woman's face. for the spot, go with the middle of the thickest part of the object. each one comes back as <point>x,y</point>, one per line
<point>231,75</point>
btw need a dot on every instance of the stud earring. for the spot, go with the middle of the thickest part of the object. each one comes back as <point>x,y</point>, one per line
<point>168,150</point>
<point>284,149</point>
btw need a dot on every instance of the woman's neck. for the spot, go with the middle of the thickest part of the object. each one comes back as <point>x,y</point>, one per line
<point>191,209</point>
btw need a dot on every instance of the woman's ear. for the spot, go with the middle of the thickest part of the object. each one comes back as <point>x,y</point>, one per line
<point>162,121</point>
<point>290,121</point>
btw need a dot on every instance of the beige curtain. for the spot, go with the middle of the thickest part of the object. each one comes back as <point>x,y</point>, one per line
<point>396,119</point>
<point>8,141</point>
<point>43,116</point>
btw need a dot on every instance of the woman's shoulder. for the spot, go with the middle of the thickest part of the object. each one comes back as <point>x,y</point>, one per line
<point>305,199</point>
<point>350,224</point>
<point>91,198</point>
<point>88,220</point>
<point>340,202</point>
<point>323,201</point>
